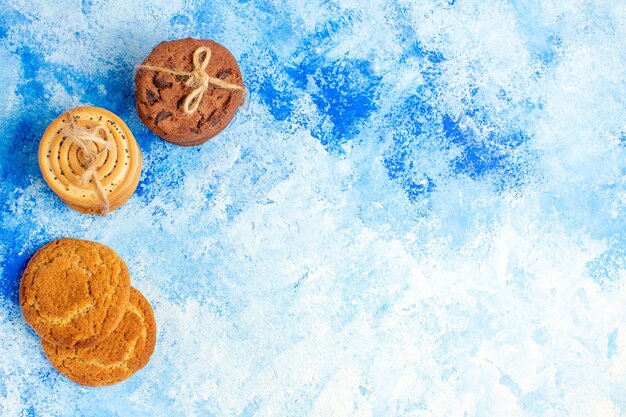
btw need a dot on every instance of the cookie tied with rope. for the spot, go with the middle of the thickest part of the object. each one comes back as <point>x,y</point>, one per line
<point>188,90</point>
<point>90,159</point>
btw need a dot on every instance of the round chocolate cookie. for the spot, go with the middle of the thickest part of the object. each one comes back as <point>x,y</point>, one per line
<point>116,358</point>
<point>74,292</point>
<point>188,90</point>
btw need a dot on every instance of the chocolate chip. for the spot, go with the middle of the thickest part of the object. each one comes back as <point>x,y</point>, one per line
<point>180,102</point>
<point>215,120</point>
<point>222,75</point>
<point>151,97</point>
<point>162,115</point>
<point>162,83</point>
<point>209,117</point>
<point>226,103</point>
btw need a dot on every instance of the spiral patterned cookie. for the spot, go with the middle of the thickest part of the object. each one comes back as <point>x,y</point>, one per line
<point>116,358</point>
<point>90,159</point>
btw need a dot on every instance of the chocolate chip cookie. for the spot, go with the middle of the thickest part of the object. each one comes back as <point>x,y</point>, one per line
<point>188,90</point>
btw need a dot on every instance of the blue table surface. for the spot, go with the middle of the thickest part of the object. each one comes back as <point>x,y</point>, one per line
<point>421,212</point>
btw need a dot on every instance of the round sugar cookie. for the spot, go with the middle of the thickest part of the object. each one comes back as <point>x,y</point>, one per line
<point>116,358</point>
<point>74,292</point>
<point>116,164</point>
<point>161,94</point>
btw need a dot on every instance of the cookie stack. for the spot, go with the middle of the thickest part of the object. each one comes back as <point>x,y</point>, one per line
<point>95,328</point>
<point>188,90</point>
<point>90,158</point>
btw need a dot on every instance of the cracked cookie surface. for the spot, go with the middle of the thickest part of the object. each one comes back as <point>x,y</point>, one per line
<point>116,358</point>
<point>74,292</point>
<point>160,96</point>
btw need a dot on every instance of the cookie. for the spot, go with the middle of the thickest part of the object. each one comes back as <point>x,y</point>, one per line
<point>186,107</point>
<point>90,159</point>
<point>116,358</point>
<point>74,292</point>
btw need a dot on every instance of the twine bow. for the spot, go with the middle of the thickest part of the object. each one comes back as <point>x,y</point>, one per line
<point>198,79</point>
<point>83,137</point>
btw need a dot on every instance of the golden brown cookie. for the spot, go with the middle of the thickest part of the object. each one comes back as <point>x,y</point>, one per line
<point>74,292</point>
<point>162,93</point>
<point>90,158</point>
<point>116,358</point>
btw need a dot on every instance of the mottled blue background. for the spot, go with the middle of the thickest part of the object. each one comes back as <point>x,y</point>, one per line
<point>420,213</point>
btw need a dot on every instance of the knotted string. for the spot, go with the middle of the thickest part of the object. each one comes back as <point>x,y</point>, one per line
<point>198,79</point>
<point>83,137</point>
